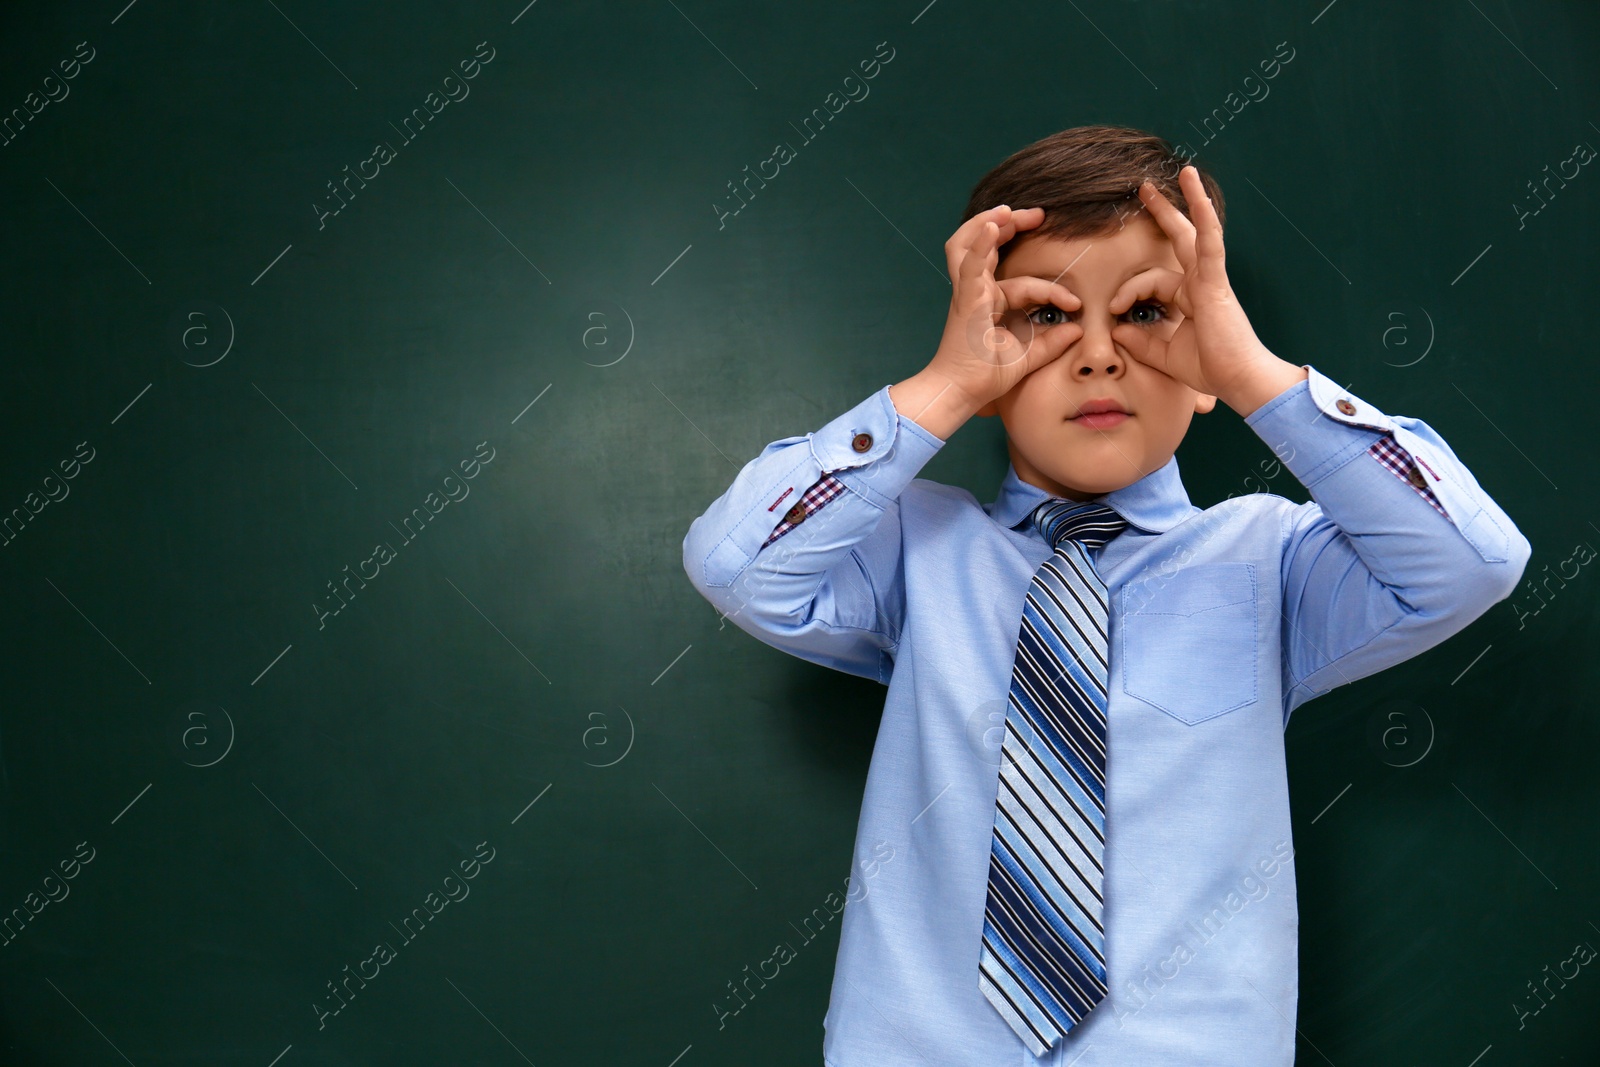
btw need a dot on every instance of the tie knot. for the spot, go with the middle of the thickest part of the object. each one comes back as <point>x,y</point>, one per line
<point>1090,523</point>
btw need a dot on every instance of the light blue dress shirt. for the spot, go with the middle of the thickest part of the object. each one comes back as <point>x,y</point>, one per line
<point>1222,622</point>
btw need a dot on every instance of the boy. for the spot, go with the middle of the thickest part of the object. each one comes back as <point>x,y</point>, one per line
<point>1080,761</point>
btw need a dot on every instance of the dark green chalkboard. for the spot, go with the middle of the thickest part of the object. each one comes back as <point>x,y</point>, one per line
<point>536,328</point>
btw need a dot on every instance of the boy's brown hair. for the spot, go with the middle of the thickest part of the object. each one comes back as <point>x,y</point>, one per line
<point>1087,180</point>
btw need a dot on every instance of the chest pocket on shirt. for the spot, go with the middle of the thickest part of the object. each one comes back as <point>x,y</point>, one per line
<point>1189,642</point>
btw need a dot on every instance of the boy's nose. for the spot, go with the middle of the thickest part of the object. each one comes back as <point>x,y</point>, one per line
<point>1095,354</point>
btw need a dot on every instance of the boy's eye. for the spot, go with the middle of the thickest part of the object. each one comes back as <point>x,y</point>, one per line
<point>1056,315</point>
<point>1157,312</point>
<point>1144,313</point>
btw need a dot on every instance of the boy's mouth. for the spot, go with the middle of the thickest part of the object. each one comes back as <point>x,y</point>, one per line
<point>1100,414</point>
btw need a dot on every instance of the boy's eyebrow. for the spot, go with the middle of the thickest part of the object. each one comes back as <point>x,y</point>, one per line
<point>1067,272</point>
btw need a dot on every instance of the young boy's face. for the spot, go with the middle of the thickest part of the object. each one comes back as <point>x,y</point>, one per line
<point>1051,446</point>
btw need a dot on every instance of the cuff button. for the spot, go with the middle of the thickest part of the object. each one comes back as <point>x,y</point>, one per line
<point>1345,407</point>
<point>861,442</point>
<point>795,515</point>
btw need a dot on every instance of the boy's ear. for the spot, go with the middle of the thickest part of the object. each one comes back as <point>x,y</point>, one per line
<point>1204,402</point>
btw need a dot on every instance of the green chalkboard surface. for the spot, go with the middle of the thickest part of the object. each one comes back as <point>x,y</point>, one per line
<point>365,365</point>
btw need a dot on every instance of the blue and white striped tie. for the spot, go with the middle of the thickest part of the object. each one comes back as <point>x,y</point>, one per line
<point>1043,964</point>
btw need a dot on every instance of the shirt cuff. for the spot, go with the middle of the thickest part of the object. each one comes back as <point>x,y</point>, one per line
<point>1320,425</point>
<point>872,450</point>
<point>1316,426</point>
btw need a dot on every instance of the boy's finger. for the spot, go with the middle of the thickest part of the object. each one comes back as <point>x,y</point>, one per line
<point>1164,211</point>
<point>1208,227</point>
<point>966,242</point>
<point>1135,341</point>
<point>1194,194</point>
<point>1011,220</point>
<point>956,247</point>
<point>1157,283</point>
<point>1019,296</point>
<point>1007,219</point>
<point>968,231</point>
<point>1026,289</point>
<point>1171,220</point>
<point>971,267</point>
<point>1019,219</point>
<point>1045,344</point>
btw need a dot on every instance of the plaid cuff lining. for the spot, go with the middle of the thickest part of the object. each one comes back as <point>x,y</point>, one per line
<point>822,490</point>
<point>1402,466</point>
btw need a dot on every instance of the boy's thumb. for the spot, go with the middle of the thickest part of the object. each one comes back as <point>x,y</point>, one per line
<point>1046,346</point>
<point>1057,339</point>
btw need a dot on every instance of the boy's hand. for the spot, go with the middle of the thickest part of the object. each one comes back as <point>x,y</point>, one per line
<point>1214,349</point>
<point>976,354</point>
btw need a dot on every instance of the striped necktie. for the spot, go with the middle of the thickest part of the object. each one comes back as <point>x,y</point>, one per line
<point>1042,963</point>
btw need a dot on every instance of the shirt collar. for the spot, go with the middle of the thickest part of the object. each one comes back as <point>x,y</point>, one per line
<point>1155,503</point>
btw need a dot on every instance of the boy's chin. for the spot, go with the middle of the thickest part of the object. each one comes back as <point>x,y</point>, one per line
<point>1076,484</point>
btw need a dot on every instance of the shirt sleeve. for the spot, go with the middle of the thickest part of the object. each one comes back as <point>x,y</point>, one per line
<point>824,583</point>
<point>1399,549</point>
